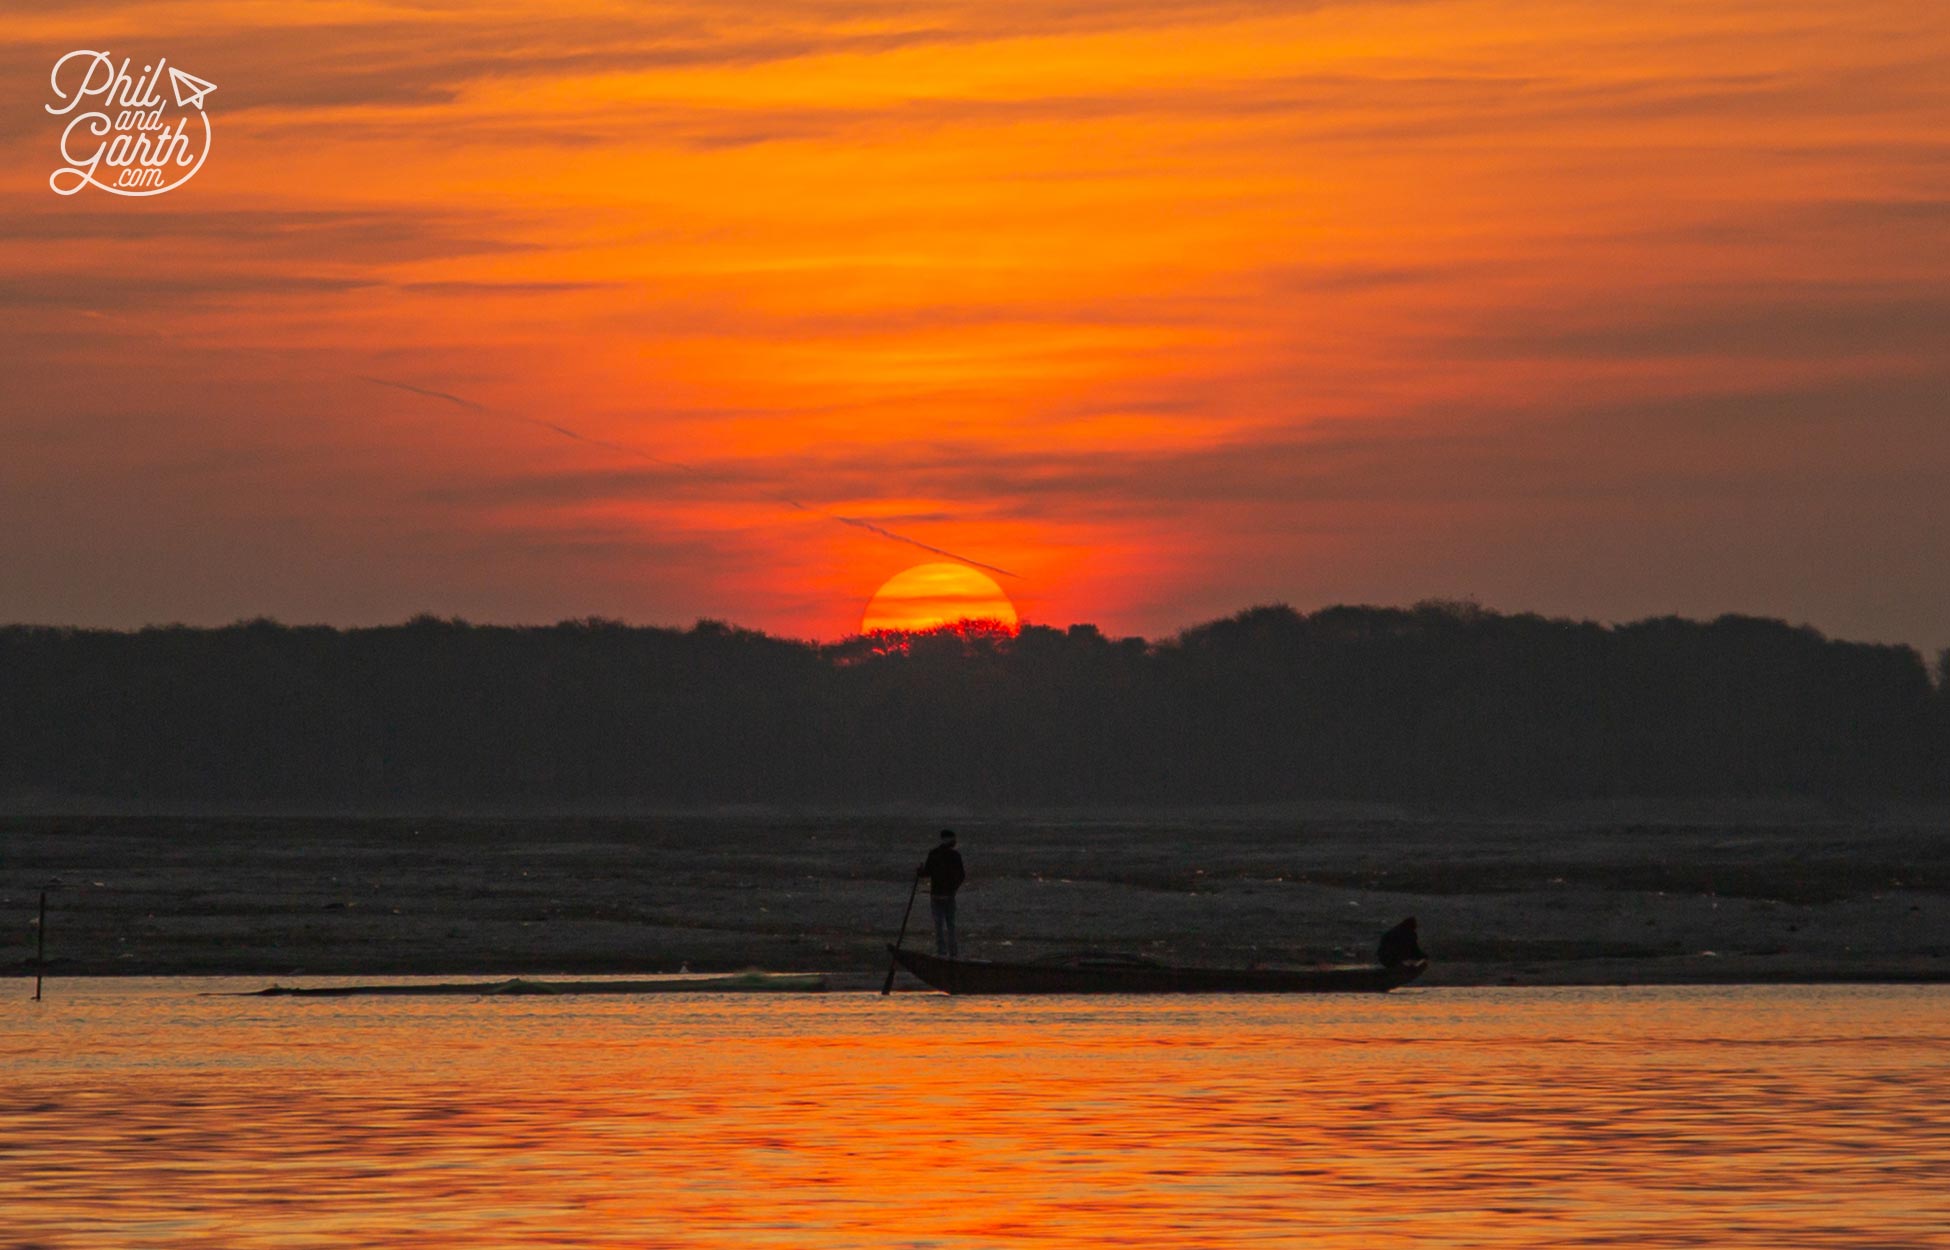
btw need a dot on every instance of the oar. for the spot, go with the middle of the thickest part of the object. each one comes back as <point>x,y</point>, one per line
<point>895,963</point>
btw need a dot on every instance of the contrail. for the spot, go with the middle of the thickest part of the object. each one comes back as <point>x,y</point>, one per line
<point>421,390</point>
<point>566,432</point>
<point>639,453</point>
<point>884,532</point>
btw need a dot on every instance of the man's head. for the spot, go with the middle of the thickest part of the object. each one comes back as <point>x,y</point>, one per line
<point>947,837</point>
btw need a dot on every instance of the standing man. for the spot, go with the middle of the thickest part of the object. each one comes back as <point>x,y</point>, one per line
<point>945,874</point>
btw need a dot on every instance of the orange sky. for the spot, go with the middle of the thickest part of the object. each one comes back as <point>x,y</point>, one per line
<point>1165,308</point>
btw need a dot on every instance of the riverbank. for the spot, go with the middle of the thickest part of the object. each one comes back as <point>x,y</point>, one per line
<point>1560,899</point>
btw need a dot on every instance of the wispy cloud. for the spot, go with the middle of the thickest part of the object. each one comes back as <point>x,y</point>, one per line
<point>1158,304</point>
<point>637,453</point>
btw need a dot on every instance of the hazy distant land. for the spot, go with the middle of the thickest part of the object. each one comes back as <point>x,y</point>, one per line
<point>1666,800</point>
<point>1573,895</point>
<point>1432,704</point>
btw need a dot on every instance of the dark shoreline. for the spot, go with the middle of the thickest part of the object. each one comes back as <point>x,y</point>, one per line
<point>1769,896</point>
<point>868,980</point>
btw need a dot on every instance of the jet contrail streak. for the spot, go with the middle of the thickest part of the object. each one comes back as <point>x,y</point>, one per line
<point>421,390</point>
<point>627,450</point>
<point>620,448</point>
<point>884,532</point>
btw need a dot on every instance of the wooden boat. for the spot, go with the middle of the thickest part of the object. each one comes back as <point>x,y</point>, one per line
<point>1124,974</point>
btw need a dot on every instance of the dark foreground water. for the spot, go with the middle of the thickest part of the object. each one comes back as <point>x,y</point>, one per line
<point>139,1114</point>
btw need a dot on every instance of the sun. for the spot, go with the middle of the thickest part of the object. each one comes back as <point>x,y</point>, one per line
<point>929,595</point>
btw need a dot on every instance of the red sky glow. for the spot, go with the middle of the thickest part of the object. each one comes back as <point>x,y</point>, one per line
<point>529,311</point>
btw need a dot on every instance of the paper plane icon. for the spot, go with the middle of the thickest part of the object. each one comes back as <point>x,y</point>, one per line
<point>190,89</point>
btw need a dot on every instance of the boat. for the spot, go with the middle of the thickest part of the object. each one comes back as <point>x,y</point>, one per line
<point>1094,973</point>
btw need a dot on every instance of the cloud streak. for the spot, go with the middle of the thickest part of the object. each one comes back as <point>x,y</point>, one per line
<point>555,427</point>
<point>1160,307</point>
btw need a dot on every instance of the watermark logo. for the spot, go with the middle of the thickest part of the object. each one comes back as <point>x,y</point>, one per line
<point>132,140</point>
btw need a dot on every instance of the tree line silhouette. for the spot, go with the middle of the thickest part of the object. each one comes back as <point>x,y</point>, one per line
<point>1440,701</point>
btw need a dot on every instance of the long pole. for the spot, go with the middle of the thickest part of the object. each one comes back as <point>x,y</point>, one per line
<point>894,963</point>
<point>40,947</point>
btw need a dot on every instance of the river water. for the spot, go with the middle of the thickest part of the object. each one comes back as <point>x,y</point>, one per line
<point>140,1113</point>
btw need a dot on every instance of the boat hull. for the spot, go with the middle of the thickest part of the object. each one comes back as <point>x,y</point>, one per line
<point>980,976</point>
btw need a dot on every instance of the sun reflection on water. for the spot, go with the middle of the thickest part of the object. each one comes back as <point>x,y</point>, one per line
<point>140,1114</point>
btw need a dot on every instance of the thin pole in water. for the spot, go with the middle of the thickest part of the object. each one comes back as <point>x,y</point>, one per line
<point>40,947</point>
<point>894,963</point>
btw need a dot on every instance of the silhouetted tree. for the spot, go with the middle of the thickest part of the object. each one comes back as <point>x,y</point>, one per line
<point>1438,701</point>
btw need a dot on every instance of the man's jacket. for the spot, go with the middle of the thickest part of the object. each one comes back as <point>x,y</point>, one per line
<point>944,871</point>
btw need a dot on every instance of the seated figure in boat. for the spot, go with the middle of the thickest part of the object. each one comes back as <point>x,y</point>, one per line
<point>1399,947</point>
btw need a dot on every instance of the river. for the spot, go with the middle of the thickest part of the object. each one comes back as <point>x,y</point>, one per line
<point>145,1113</point>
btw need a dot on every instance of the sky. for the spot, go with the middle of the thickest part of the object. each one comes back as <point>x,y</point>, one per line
<point>1154,309</point>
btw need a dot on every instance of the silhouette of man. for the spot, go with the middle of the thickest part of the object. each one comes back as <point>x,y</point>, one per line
<point>1398,946</point>
<point>945,874</point>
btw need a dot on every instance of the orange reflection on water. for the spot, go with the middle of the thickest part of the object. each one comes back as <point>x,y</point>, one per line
<point>140,1115</point>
